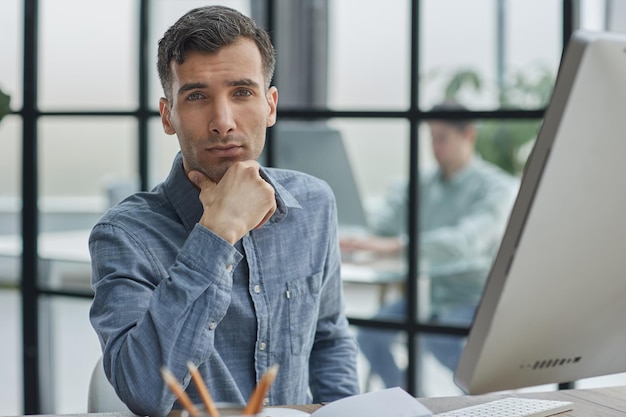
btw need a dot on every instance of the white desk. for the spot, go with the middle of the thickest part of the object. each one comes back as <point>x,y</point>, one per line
<point>383,273</point>
<point>70,246</point>
<point>66,254</point>
<point>64,257</point>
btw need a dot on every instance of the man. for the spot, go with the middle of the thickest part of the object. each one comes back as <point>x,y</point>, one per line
<point>464,207</point>
<point>226,264</point>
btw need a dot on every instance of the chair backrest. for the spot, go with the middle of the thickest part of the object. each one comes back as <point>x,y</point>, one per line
<point>102,397</point>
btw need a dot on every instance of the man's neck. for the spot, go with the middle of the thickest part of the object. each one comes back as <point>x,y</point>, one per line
<point>449,172</point>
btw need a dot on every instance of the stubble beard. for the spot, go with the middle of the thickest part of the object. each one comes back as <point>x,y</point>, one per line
<point>215,172</point>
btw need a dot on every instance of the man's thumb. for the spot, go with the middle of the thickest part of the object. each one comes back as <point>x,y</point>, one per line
<point>199,179</point>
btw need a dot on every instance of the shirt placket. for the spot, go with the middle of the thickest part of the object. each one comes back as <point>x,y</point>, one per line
<point>261,308</point>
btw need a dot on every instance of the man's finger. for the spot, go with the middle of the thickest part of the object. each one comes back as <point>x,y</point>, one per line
<point>200,180</point>
<point>268,215</point>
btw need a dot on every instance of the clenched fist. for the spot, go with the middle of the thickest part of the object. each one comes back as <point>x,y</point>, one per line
<point>240,202</point>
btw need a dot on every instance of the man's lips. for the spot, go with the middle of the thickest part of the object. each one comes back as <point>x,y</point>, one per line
<point>226,151</point>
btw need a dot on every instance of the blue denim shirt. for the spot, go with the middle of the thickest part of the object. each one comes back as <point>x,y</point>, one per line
<point>168,291</point>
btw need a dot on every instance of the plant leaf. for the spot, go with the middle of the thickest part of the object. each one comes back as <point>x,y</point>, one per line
<point>5,100</point>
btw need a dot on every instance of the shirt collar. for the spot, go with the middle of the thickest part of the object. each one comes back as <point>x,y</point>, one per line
<point>461,174</point>
<point>184,196</point>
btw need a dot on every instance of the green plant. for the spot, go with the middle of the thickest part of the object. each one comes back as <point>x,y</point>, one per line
<point>506,142</point>
<point>5,100</point>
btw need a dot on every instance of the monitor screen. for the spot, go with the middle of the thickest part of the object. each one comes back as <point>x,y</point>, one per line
<point>554,306</point>
<point>318,150</point>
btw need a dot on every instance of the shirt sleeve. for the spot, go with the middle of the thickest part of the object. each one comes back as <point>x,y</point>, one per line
<point>476,232</point>
<point>147,317</point>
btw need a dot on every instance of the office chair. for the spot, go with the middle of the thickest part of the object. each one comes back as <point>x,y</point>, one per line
<point>102,397</point>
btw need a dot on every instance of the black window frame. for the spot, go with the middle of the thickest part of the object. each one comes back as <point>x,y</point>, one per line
<point>32,293</point>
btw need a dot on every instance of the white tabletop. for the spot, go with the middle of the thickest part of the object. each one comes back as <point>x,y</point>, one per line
<point>69,246</point>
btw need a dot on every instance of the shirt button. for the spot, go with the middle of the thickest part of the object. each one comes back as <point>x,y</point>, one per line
<point>262,346</point>
<point>229,267</point>
<point>212,325</point>
<point>257,289</point>
<point>266,401</point>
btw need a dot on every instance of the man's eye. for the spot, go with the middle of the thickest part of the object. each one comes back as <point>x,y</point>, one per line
<point>243,93</point>
<point>194,96</point>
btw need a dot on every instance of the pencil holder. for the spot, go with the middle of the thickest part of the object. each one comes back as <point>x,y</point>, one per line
<point>236,410</point>
<point>225,409</point>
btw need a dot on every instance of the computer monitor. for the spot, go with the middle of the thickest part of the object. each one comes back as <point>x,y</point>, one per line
<point>318,149</point>
<point>554,306</point>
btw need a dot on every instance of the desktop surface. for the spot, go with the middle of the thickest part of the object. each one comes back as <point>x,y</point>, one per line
<point>597,402</point>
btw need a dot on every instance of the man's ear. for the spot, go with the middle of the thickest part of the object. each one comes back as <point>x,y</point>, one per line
<point>164,109</point>
<point>471,133</point>
<point>272,102</point>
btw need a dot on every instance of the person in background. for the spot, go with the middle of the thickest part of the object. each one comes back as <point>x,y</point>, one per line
<point>229,265</point>
<point>464,206</point>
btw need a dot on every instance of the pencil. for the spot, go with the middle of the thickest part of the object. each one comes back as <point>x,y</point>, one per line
<point>255,403</point>
<point>180,393</point>
<point>202,389</point>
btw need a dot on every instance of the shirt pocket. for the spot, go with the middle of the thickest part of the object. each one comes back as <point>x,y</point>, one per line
<point>303,304</point>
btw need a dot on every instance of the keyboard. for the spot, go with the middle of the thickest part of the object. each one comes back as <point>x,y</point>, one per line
<point>512,407</point>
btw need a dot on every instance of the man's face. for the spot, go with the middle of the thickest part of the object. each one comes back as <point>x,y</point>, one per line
<point>451,146</point>
<point>220,108</point>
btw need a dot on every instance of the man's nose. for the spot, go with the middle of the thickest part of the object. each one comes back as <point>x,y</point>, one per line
<point>222,120</point>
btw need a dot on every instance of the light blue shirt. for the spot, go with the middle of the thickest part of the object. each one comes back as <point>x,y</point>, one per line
<point>462,220</point>
<point>168,291</point>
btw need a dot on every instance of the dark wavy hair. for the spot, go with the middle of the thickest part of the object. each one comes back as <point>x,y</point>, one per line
<point>453,105</point>
<point>207,29</point>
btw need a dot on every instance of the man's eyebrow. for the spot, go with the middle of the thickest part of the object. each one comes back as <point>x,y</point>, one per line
<point>191,86</point>
<point>244,82</point>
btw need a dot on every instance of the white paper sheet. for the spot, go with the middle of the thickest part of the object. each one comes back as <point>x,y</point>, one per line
<point>282,412</point>
<point>391,402</point>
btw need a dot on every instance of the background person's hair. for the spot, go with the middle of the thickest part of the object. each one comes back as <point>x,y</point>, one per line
<point>452,105</point>
<point>207,29</point>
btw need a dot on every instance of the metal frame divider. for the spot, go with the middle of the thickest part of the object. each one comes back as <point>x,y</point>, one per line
<point>30,289</point>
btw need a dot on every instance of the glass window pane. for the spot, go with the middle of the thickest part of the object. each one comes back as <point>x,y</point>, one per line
<point>357,78</point>
<point>602,15</point>
<point>382,359</point>
<point>437,357</point>
<point>79,155</point>
<point>467,192</point>
<point>10,200</point>
<point>11,29</point>
<point>374,263</point>
<point>10,248</point>
<point>163,14</point>
<point>11,352</point>
<point>73,349</point>
<point>88,63</point>
<point>300,37</point>
<point>163,148</point>
<point>378,163</point>
<point>80,176</point>
<point>10,174</point>
<point>593,14</point>
<point>509,60</point>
